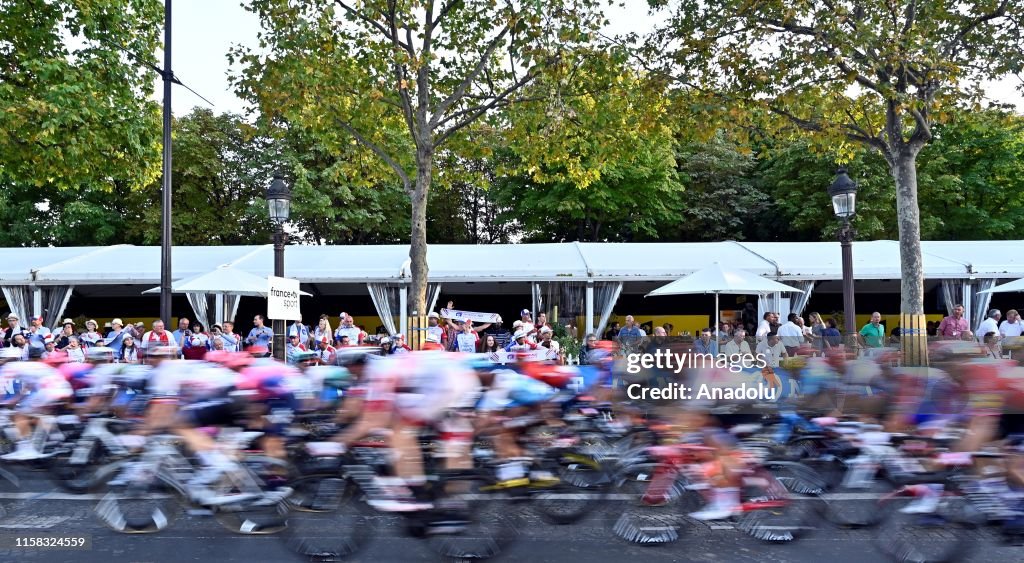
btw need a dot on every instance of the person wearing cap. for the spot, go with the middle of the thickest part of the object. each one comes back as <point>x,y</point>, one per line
<point>49,346</point>
<point>434,329</point>
<point>527,321</point>
<point>554,348</point>
<point>295,344</point>
<point>386,346</point>
<point>115,337</point>
<point>325,352</point>
<point>433,342</point>
<point>520,343</point>
<point>347,328</point>
<point>13,327</point>
<point>37,333</point>
<point>400,346</point>
<point>299,329</point>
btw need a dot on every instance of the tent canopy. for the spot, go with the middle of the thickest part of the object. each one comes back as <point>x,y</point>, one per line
<point>1017,285</point>
<point>223,280</point>
<point>717,279</point>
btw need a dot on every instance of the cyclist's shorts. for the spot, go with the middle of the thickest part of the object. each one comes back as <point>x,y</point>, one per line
<point>213,412</point>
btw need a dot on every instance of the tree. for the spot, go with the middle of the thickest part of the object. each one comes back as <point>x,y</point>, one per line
<point>405,79</point>
<point>75,108</point>
<point>879,73</point>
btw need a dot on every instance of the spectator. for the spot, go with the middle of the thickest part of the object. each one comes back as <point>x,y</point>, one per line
<point>294,345</point>
<point>231,338</point>
<point>748,317</point>
<point>260,336</point>
<point>791,334</point>
<point>37,333</point>
<point>528,325</point>
<point>199,330</point>
<point>434,329</point>
<point>705,344</point>
<point>764,327</point>
<point>326,353</point>
<point>631,335</point>
<point>21,343</point>
<point>669,329</point>
<point>490,345</point>
<point>520,343</point>
<point>738,344</point>
<point>298,328</point>
<point>137,331</point>
<point>217,343</point>
<point>933,328</point>
<point>991,341</point>
<point>990,324</point>
<point>74,350</point>
<point>345,341</point>
<point>772,350</point>
<point>467,340</point>
<point>91,336</point>
<point>182,332</point>
<point>13,327</point>
<point>774,324</point>
<point>817,328</point>
<point>872,335</point>
<point>195,347</point>
<point>129,352</point>
<point>432,341</point>
<point>348,328</point>
<point>115,337</point>
<point>157,337</point>
<point>67,332</point>
<point>613,332</point>
<point>554,348</point>
<point>402,348</point>
<point>658,341</point>
<point>724,332</point>
<point>323,328</point>
<point>830,335</point>
<point>49,347</point>
<point>589,344</point>
<point>1012,325</point>
<point>387,346</point>
<point>542,321</point>
<point>953,327</point>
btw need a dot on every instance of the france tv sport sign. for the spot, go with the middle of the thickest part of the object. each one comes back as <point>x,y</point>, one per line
<point>283,299</point>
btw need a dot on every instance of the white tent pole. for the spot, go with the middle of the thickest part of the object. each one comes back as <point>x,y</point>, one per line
<point>590,309</point>
<point>718,324</point>
<point>218,301</point>
<point>37,301</point>
<point>403,305</point>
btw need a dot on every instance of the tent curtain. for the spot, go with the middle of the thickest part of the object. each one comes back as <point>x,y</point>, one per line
<point>799,301</point>
<point>606,294</point>
<point>567,297</point>
<point>386,301</point>
<point>769,302</point>
<point>231,306</point>
<point>19,300</point>
<point>200,306</point>
<point>433,293</point>
<point>952,294</point>
<point>55,300</point>
<point>980,302</point>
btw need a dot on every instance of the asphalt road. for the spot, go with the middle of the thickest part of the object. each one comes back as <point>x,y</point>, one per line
<point>39,509</point>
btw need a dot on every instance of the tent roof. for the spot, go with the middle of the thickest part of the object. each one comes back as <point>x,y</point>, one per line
<point>224,279</point>
<point>140,265</point>
<point>716,279</point>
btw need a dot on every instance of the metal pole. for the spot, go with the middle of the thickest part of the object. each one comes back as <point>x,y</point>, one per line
<point>165,238</point>
<point>846,236</point>
<point>279,329</point>
<point>590,309</point>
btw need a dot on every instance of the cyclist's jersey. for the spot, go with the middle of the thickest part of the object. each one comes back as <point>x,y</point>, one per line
<point>45,384</point>
<point>273,381</point>
<point>995,386</point>
<point>512,389</point>
<point>421,387</point>
<point>325,383</point>
<point>190,380</point>
<point>551,374</point>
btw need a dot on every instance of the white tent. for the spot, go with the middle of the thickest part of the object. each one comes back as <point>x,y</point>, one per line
<point>718,280</point>
<point>1017,285</point>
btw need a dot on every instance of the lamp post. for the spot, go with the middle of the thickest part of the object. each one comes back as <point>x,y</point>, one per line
<point>843,192</point>
<point>279,199</point>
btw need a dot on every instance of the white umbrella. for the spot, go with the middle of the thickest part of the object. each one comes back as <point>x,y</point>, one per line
<point>226,280</point>
<point>1006,287</point>
<point>718,280</point>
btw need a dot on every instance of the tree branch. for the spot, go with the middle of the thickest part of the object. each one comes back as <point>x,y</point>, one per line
<point>456,95</point>
<point>473,114</point>
<point>951,48</point>
<point>400,81</point>
<point>444,12</point>
<point>922,131</point>
<point>390,36</point>
<point>380,152</point>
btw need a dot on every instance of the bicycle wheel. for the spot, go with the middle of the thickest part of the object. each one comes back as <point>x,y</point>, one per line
<point>855,507</point>
<point>267,514</point>
<point>646,521</point>
<point>797,478</point>
<point>946,535</point>
<point>79,477</point>
<point>333,521</point>
<point>143,505</point>
<point>9,483</point>
<point>486,523</point>
<point>580,486</point>
<point>771,514</point>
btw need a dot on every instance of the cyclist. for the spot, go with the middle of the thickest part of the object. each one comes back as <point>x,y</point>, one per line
<point>42,391</point>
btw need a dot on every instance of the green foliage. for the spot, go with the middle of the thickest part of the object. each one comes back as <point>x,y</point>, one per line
<point>74,107</point>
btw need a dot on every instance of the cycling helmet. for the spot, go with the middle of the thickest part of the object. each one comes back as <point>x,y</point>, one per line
<point>354,356</point>
<point>76,374</point>
<point>100,354</point>
<point>303,356</point>
<point>163,352</point>
<point>56,359</point>
<point>230,360</point>
<point>335,377</point>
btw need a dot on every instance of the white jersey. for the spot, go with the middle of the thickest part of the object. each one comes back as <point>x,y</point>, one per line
<point>45,384</point>
<point>191,379</point>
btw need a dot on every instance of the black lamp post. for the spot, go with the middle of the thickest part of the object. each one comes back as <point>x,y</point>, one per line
<point>279,200</point>
<point>843,192</point>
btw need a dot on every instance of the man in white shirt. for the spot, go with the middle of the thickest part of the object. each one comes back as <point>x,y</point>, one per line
<point>772,350</point>
<point>349,329</point>
<point>554,348</point>
<point>990,324</point>
<point>1012,326</point>
<point>528,326</point>
<point>467,340</point>
<point>764,327</point>
<point>791,334</point>
<point>738,344</point>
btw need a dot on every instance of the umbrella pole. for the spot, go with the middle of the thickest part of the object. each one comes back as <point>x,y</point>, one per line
<point>718,324</point>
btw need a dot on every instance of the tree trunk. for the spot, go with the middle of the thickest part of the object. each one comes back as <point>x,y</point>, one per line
<point>418,240</point>
<point>904,171</point>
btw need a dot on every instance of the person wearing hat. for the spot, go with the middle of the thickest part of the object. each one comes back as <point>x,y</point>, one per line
<point>386,348</point>
<point>434,329</point>
<point>295,345</point>
<point>349,329</point>
<point>467,337</point>
<point>325,352</point>
<point>115,337</point>
<point>91,336</point>
<point>433,342</point>
<point>13,327</point>
<point>129,352</point>
<point>554,348</point>
<point>400,346</point>
<point>520,343</point>
<point>298,328</point>
<point>49,346</point>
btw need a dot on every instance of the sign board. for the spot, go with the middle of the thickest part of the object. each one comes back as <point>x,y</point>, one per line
<point>503,357</point>
<point>283,299</point>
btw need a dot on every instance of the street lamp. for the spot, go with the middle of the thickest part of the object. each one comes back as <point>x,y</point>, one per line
<point>279,200</point>
<point>843,192</point>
